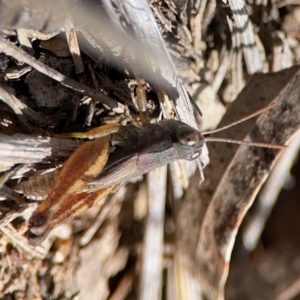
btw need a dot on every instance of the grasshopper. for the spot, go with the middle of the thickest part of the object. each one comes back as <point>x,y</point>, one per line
<point>117,154</point>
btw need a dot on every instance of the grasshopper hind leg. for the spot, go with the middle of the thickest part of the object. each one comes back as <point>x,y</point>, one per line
<point>70,192</point>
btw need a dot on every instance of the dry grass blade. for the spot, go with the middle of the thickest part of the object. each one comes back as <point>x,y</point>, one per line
<point>243,27</point>
<point>26,149</point>
<point>75,50</point>
<point>152,257</point>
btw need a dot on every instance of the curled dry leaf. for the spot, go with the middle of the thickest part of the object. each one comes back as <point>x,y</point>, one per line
<point>208,223</point>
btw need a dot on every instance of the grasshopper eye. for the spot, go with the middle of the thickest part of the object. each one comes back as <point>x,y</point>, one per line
<point>188,135</point>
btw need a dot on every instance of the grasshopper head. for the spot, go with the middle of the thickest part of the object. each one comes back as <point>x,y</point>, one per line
<point>187,140</point>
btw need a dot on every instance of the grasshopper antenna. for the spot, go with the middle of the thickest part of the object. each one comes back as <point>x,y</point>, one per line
<point>263,145</point>
<point>254,144</point>
<point>241,120</point>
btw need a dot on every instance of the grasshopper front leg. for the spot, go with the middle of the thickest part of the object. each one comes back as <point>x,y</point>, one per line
<point>70,194</point>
